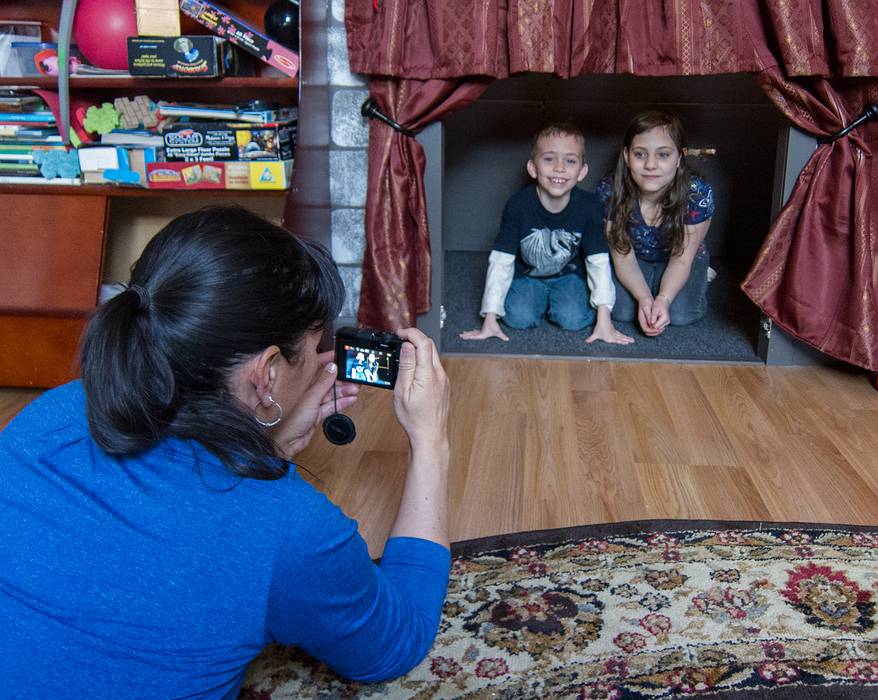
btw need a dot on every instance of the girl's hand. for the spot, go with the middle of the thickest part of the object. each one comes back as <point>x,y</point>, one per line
<point>644,315</point>
<point>422,392</point>
<point>318,402</point>
<point>660,315</point>
<point>490,329</point>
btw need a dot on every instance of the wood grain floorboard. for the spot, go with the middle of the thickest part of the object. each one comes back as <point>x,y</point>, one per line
<point>608,469</point>
<point>647,421</point>
<point>693,491</point>
<point>695,420</point>
<point>854,432</point>
<point>542,443</point>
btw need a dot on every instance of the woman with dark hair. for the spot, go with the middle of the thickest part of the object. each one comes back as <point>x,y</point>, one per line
<point>154,533</point>
<point>658,211</point>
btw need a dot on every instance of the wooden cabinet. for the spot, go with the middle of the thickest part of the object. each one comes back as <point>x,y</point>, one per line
<point>51,249</point>
<point>52,238</point>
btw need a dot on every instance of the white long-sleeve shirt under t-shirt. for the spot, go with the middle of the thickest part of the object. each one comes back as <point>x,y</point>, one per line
<point>501,271</point>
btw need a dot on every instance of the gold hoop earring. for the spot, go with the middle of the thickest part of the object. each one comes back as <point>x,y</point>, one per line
<point>269,424</point>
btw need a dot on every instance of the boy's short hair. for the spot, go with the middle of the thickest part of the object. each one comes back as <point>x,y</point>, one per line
<point>558,129</point>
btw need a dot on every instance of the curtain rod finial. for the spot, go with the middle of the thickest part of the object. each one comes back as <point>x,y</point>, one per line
<point>871,112</point>
<point>369,109</point>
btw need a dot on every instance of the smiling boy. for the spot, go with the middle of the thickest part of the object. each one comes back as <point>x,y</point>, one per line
<point>550,256</point>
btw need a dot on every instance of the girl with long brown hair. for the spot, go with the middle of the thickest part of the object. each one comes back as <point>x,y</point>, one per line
<point>658,211</point>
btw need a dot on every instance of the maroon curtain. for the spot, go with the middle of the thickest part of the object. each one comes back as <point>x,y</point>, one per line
<point>787,43</point>
<point>427,40</point>
<point>397,265</point>
<point>815,275</point>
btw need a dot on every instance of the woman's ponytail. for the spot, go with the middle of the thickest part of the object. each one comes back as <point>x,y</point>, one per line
<point>128,381</point>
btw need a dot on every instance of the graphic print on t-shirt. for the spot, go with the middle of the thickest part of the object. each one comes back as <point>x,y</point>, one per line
<point>548,252</point>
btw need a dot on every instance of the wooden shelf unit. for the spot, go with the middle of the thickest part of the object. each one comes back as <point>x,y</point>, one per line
<point>53,237</point>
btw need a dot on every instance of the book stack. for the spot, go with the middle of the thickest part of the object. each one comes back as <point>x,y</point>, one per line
<point>27,126</point>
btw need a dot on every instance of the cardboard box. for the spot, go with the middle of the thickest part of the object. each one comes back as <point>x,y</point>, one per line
<point>228,141</point>
<point>222,23</point>
<point>191,56</point>
<point>158,17</point>
<point>263,175</point>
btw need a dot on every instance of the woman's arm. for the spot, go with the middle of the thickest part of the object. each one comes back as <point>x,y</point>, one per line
<point>369,623</point>
<point>421,400</point>
<point>629,274</point>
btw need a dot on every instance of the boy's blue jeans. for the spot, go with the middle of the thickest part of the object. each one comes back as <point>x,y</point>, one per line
<point>566,298</point>
<point>688,306</point>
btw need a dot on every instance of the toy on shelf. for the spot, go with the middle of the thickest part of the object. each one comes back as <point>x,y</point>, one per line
<point>57,163</point>
<point>101,120</point>
<point>137,113</point>
<point>282,23</point>
<point>187,56</point>
<point>252,111</point>
<point>46,61</point>
<point>101,29</point>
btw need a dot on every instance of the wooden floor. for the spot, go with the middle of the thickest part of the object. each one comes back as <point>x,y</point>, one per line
<point>551,443</point>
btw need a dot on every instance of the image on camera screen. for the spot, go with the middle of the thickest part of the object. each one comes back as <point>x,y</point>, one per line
<point>367,365</point>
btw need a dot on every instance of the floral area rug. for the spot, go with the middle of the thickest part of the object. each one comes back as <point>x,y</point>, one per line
<point>649,609</point>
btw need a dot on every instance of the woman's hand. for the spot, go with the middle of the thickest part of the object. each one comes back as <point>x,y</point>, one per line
<point>315,404</point>
<point>422,392</point>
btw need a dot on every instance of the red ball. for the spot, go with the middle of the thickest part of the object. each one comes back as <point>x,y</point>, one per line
<point>101,29</point>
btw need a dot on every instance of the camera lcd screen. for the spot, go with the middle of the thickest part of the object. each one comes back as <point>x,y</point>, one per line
<point>367,365</point>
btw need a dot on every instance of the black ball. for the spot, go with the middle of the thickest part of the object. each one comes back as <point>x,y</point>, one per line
<point>282,23</point>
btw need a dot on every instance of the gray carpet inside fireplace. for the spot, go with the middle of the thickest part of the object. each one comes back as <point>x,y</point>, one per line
<point>728,332</point>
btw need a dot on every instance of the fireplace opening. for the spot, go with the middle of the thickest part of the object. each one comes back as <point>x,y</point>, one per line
<point>484,148</point>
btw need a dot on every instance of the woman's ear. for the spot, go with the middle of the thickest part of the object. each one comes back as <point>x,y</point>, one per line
<point>263,372</point>
<point>251,382</point>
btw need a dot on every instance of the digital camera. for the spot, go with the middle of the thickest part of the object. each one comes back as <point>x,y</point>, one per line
<point>367,356</point>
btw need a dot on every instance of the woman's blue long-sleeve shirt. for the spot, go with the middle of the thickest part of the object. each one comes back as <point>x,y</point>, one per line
<point>161,575</point>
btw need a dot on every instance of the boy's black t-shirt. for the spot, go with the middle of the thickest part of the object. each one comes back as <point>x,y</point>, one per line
<point>550,245</point>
